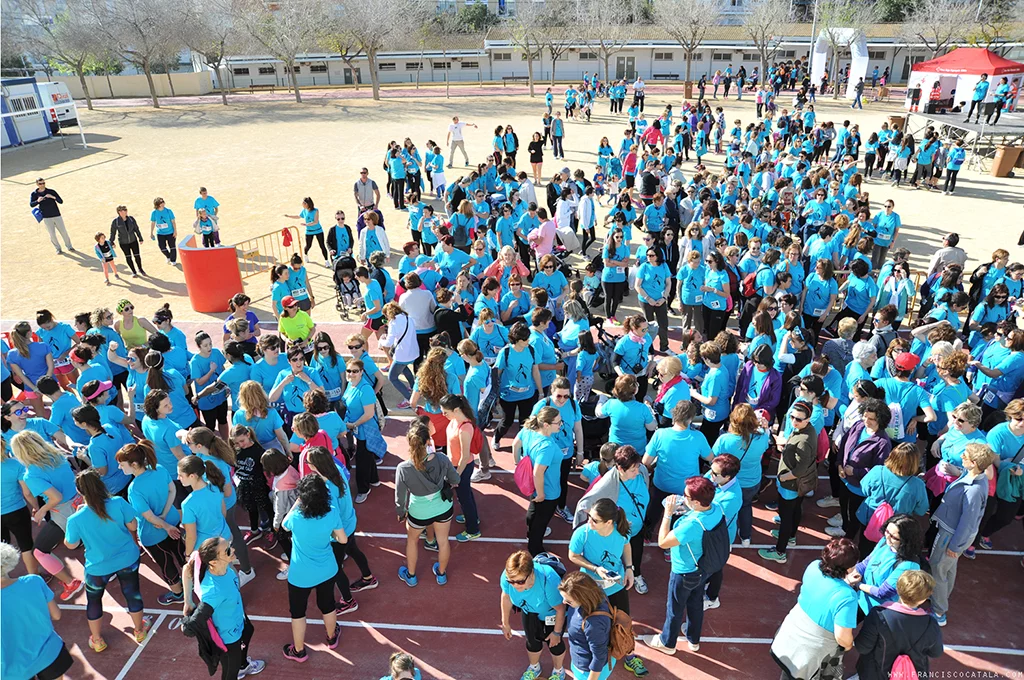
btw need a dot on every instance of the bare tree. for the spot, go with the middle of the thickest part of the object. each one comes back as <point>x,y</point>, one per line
<point>285,30</point>
<point>442,29</point>
<point>998,26</point>
<point>939,24</point>
<point>67,39</point>
<point>764,26</point>
<point>841,21</point>
<point>373,24</point>
<point>339,41</point>
<point>141,32</point>
<point>687,22</point>
<point>606,27</point>
<point>525,32</point>
<point>209,32</point>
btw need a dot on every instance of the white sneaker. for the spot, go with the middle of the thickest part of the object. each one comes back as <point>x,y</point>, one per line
<point>693,647</point>
<point>284,556</point>
<point>827,502</point>
<point>640,584</point>
<point>712,604</point>
<point>654,642</point>
<point>255,667</point>
<point>835,520</point>
<point>480,475</point>
<point>547,532</point>
<point>282,575</point>
<point>745,542</point>
<point>835,532</point>
<point>245,577</point>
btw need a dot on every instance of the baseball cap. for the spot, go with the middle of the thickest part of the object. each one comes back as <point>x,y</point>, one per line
<point>907,361</point>
<point>102,387</point>
<point>289,301</point>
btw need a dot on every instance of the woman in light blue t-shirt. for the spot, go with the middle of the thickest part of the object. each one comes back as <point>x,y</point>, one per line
<point>310,217</point>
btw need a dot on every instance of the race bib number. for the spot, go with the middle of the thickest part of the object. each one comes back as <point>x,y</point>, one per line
<point>334,394</point>
<point>699,299</point>
<point>300,292</point>
<point>549,620</point>
<point>61,363</point>
<point>817,312</point>
<point>620,270</point>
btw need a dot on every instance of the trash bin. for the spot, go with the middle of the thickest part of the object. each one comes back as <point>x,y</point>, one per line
<point>212,275</point>
<point>1006,157</point>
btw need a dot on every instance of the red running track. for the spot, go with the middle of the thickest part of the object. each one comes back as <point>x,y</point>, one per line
<point>453,631</point>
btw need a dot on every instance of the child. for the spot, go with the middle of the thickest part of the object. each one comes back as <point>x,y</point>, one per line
<point>306,428</point>
<point>206,225</point>
<point>105,252</point>
<point>437,177</point>
<point>401,665</point>
<point>348,289</point>
<point>585,366</point>
<point>599,181</point>
<point>284,477</point>
<point>591,284</point>
<point>595,469</point>
<point>253,492</point>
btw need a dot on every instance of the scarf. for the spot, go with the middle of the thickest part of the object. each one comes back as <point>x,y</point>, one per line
<point>665,387</point>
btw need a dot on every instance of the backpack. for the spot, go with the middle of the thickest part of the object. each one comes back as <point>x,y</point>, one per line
<point>902,669</point>
<point>621,642</point>
<point>976,292</point>
<point>523,476</point>
<point>896,427</point>
<point>715,543</point>
<point>597,263</point>
<point>824,446</point>
<point>881,515</point>
<point>551,560</point>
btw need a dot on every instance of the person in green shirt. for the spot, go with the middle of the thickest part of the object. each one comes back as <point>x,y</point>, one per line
<point>295,324</point>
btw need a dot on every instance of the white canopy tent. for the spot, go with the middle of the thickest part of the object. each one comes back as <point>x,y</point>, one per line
<point>855,40</point>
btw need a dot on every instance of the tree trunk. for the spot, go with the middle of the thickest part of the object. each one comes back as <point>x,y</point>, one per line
<point>220,84</point>
<point>554,58</point>
<point>420,69</point>
<point>295,83</point>
<point>447,70</point>
<point>167,70</point>
<point>607,69</point>
<point>110,85</point>
<point>834,76</point>
<point>529,69</point>
<point>689,63</point>
<point>85,88</point>
<point>371,56</point>
<point>152,85</point>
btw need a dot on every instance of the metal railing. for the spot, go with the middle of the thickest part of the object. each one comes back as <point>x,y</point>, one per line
<point>257,255</point>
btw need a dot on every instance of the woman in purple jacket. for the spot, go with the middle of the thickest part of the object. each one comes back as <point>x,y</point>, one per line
<point>864,446</point>
<point>759,384</point>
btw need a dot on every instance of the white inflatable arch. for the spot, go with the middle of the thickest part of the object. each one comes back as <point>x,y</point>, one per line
<point>858,56</point>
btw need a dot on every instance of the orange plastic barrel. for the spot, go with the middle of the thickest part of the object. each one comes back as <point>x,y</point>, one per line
<point>212,275</point>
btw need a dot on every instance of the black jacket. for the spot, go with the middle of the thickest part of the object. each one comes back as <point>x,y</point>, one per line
<point>126,230</point>
<point>194,626</point>
<point>890,632</point>
<point>47,206</point>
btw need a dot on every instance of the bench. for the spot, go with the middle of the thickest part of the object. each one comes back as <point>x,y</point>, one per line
<point>665,76</point>
<point>514,79</point>
<point>254,88</point>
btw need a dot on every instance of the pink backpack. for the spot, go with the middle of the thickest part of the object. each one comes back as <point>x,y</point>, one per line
<point>903,668</point>
<point>881,515</point>
<point>524,476</point>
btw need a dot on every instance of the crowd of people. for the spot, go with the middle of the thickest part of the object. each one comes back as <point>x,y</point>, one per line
<point>806,345</point>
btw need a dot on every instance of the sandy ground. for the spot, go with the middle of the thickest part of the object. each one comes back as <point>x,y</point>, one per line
<point>260,159</point>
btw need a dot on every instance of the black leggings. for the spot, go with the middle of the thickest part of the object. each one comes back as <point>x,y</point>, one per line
<point>660,313</point>
<point>237,655</point>
<point>714,321</point>
<point>869,164</point>
<point>508,411</point>
<point>1003,516</point>
<point>130,249</point>
<point>366,468</point>
<point>169,556</point>
<point>620,600</point>
<point>949,184</point>
<point>398,192</point>
<point>254,495</point>
<point>167,247</point>
<point>636,548</point>
<point>790,513</point>
<point>613,292</point>
<point>298,598</point>
<point>564,481</point>
<point>351,548</point>
<point>538,516</point>
<point>849,503</point>
<point>309,243</point>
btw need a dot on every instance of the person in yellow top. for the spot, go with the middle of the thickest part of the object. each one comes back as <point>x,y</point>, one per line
<point>134,330</point>
<point>295,324</point>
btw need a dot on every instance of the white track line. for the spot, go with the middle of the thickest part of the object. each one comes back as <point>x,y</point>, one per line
<point>163,613</point>
<point>138,651</point>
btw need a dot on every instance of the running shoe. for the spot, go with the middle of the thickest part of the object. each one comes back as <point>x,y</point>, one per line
<point>531,673</point>
<point>985,543</point>
<point>346,607</point>
<point>170,598</point>
<point>565,515</point>
<point>72,589</point>
<point>654,642</point>
<point>835,520</point>
<point>791,541</point>
<point>970,553</point>
<point>460,519</point>
<point>940,619</point>
<point>635,665</point>
<point>772,505</point>
<point>430,545</point>
<point>254,667</point>
<point>332,641</point>
<point>270,538</point>
<point>640,585</point>
<point>361,498</point>
<point>246,576</point>
<point>442,579</point>
<point>466,537</point>
<point>402,404</point>
<point>291,654</point>
<point>410,579</point>
<point>282,575</point>
<point>480,475</point>
<point>772,555</point>
<point>835,532</point>
<point>365,583</point>
<point>147,625</point>
<point>252,536</point>
<point>711,604</point>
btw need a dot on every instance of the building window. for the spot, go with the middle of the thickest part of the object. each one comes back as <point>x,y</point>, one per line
<point>697,56</point>
<point>588,56</point>
<point>240,70</point>
<point>877,55</point>
<point>414,66</point>
<point>471,64</point>
<point>751,56</point>
<point>263,71</point>
<point>441,65</point>
<point>786,54</point>
<point>386,66</point>
<point>663,56</point>
<point>318,68</point>
<point>502,56</point>
<point>721,56</point>
<point>536,56</point>
<point>288,70</point>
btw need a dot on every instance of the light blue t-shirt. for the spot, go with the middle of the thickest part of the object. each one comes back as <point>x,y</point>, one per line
<point>11,497</point>
<point>203,508</point>
<point>544,451</point>
<point>1004,442</point>
<point>148,493</point>
<point>634,497</point>
<point>541,598</point>
<point>748,455</point>
<point>163,218</point>
<point>716,384</point>
<point>689,531</point>
<point>517,373</point>
<point>628,423</point>
<point>163,435</point>
<point>829,602</point>
<point>312,561</point>
<point>29,644</point>
<point>678,454</point>
<point>222,593</point>
<point>60,478</point>
<point>602,551</point>
<point>109,546</point>
<point>102,451</point>
<point>263,427</point>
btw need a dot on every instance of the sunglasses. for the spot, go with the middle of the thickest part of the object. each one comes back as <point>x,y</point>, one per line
<point>797,419</point>
<point>352,371</point>
<point>518,582</point>
<point>516,285</point>
<point>21,412</point>
<point>958,419</point>
<point>324,348</point>
<point>129,308</point>
<point>355,347</point>
<point>549,267</point>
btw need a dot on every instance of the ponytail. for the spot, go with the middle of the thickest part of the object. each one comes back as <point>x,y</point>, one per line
<point>622,523</point>
<point>320,458</point>
<point>94,491</point>
<point>607,510</point>
<point>218,448</point>
<point>140,453</point>
<point>155,378</point>
<point>213,474</point>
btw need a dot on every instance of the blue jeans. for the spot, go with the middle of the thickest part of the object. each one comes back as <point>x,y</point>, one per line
<point>398,369</point>
<point>466,499</point>
<point>745,520</point>
<point>857,103</point>
<point>685,600</point>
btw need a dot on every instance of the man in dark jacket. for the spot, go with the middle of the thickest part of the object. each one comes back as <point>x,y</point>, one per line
<point>126,230</point>
<point>46,200</point>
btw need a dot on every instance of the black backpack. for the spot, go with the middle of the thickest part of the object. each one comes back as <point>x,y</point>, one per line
<point>597,263</point>
<point>977,281</point>
<point>715,543</point>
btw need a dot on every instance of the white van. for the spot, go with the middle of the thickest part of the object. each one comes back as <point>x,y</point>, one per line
<point>56,96</point>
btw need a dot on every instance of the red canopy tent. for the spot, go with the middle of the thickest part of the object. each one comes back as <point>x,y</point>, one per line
<point>971,61</point>
<point>957,73</point>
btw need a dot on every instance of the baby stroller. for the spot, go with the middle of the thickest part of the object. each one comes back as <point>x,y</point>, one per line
<point>349,297</point>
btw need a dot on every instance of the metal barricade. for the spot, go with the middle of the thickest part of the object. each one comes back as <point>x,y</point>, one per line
<point>257,255</point>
